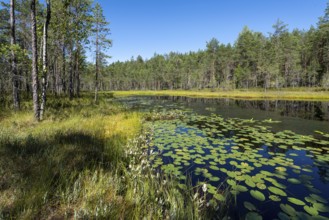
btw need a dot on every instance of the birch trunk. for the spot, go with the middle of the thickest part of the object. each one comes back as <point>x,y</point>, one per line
<point>35,80</point>
<point>45,62</point>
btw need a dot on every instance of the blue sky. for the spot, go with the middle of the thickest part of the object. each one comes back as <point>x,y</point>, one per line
<point>145,27</point>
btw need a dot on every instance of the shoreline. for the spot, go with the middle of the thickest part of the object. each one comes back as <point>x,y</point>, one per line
<point>234,94</point>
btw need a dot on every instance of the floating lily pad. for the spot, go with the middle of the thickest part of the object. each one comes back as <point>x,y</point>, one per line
<point>219,197</point>
<point>277,191</point>
<point>321,207</point>
<point>318,198</point>
<point>249,206</point>
<point>257,195</point>
<point>253,216</point>
<point>283,216</point>
<point>294,181</point>
<point>231,182</point>
<point>214,167</point>
<point>296,201</point>
<point>288,209</point>
<point>275,198</point>
<point>261,186</point>
<point>241,188</point>
<point>311,210</point>
<point>214,179</point>
<point>310,200</point>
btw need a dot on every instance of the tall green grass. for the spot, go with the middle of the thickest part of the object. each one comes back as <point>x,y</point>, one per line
<point>85,161</point>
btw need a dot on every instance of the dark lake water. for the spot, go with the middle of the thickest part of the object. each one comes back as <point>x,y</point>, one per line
<point>270,158</point>
<point>304,117</point>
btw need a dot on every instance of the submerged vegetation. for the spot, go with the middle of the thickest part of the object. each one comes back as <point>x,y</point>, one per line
<point>84,161</point>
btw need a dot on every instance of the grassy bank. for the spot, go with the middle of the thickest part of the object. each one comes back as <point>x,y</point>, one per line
<point>284,94</point>
<point>84,161</point>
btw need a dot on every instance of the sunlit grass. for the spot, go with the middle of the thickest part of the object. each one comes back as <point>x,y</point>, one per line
<point>84,161</point>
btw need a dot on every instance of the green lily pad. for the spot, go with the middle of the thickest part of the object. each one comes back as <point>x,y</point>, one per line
<point>294,181</point>
<point>250,183</point>
<point>214,179</point>
<point>214,167</point>
<point>261,186</point>
<point>279,185</point>
<point>253,216</point>
<point>249,206</point>
<point>283,216</point>
<point>241,188</point>
<point>277,191</point>
<point>296,201</point>
<point>310,200</point>
<point>231,182</point>
<point>275,198</point>
<point>311,210</point>
<point>288,209</point>
<point>321,207</point>
<point>219,197</point>
<point>257,195</point>
<point>318,198</point>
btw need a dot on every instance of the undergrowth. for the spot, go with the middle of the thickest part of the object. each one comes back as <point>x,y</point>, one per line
<point>85,161</point>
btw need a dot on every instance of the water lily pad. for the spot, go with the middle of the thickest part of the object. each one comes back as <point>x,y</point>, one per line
<point>310,200</point>
<point>277,191</point>
<point>283,216</point>
<point>311,210</point>
<point>231,182</point>
<point>258,165</point>
<point>261,186</point>
<point>214,179</point>
<point>296,171</point>
<point>307,170</point>
<point>249,206</point>
<point>219,197</point>
<point>296,201</point>
<point>223,170</point>
<point>214,167</point>
<point>321,207</point>
<point>241,188</point>
<point>294,181</point>
<point>253,216</point>
<point>275,198</point>
<point>288,209</point>
<point>318,198</point>
<point>257,195</point>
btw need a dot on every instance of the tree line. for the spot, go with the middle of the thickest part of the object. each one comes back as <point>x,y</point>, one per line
<point>297,58</point>
<point>43,48</point>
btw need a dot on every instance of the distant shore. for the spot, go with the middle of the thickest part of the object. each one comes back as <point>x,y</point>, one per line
<point>283,94</point>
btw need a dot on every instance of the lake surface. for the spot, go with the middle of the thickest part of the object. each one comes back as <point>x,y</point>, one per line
<point>269,158</point>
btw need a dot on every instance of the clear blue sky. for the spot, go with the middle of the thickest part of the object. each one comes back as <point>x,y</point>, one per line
<point>145,27</point>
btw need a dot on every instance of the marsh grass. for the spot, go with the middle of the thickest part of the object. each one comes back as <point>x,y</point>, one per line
<point>85,161</point>
<point>303,93</point>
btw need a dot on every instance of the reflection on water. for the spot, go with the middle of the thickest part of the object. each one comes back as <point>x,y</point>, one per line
<point>303,117</point>
<point>245,156</point>
<point>236,145</point>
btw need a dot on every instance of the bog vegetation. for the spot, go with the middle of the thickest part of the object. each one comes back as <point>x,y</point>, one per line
<point>83,155</point>
<point>84,161</point>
